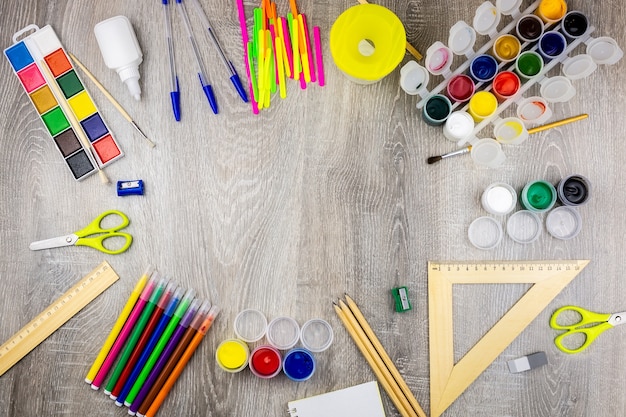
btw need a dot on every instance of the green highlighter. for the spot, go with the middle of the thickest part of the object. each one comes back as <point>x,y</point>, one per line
<point>165,337</point>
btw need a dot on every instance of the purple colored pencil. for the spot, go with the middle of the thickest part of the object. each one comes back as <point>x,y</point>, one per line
<point>167,352</point>
<point>125,332</point>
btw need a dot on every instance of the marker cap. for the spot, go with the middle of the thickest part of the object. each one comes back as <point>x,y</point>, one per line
<point>485,233</point>
<point>250,325</point>
<point>283,333</point>
<point>316,335</point>
<point>523,226</point>
<point>564,222</point>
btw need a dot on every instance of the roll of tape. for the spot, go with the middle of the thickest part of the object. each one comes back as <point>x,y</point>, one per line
<point>367,42</point>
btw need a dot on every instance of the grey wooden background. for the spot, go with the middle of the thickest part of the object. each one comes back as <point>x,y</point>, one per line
<point>326,192</point>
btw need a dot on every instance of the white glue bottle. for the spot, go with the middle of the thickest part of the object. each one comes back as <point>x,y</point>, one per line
<point>120,50</point>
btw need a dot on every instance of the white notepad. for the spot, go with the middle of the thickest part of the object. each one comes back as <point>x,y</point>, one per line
<point>360,400</point>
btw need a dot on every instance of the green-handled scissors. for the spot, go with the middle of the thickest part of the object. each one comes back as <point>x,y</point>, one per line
<point>94,235</point>
<point>590,325</point>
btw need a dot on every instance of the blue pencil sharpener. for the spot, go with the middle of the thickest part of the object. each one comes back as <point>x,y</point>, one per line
<point>134,187</point>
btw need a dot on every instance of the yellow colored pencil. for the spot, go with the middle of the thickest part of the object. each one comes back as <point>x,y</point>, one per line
<point>117,327</point>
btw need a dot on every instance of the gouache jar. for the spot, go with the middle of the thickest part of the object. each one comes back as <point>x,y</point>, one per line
<point>538,196</point>
<point>232,355</point>
<point>299,364</point>
<point>265,362</point>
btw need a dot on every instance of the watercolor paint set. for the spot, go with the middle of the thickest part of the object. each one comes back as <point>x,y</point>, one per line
<point>515,56</point>
<point>61,100</point>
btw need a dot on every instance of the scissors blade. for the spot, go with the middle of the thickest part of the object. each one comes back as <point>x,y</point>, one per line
<point>617,318</point>
<point>55,242</point>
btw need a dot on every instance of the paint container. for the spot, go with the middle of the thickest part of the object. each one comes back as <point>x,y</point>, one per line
<point>505,85</point>
<point>528,65</point>
<point>574,25</point>
<point>458,127</point>
<point>534,110</point>
<point>250,325</point>
<point>486,19</point>
<point>367,42</point>
<point>564,222</point>
<point>265,362</point>
<point>578,67</point>
<point>43,47</point>
<point>316,335</point>
<point>510,131</point>
<point>485,233</point>
<point>462,39</point>
<point>499,199</point>
<point>460,88</point>
<point>529,28</point>
<point>482,105</point>
<point>524,226</point>
<point>436,110</point>
<point>438,59</point>
<point>483,68</point>
<point>574,190</point>
<point>232,355</point>
<point>551,45</point>
<point>604,50</point>
<point>506,48</point>
<point>557,89</point>
<point>538,196</point>
<point>299,364</point>
<point>414,79</point>
<point>487,152</point>
<point>120,51</point>
<point>283,333</point>
<point>509,7</point>
<point>551,11</point>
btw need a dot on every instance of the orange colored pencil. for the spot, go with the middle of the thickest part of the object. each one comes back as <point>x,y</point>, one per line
<point>178,369</point>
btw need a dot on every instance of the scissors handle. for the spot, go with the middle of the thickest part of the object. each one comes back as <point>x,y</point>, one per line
<point>97,242</point>
<point>95,226</point>
<point>590,334</point>
<point>590,326</point>
<point>586,318</point>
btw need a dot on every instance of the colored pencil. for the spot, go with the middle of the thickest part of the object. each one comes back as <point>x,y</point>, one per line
<point>141,343</point>
<point>119,323</point>
<point>181,329</point>
<point>125,332</point>
<point>178,369</point>
<point>154,356</point>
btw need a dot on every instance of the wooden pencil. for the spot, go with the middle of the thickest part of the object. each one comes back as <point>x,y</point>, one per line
<point>381,371</point>
<point>384,356</point>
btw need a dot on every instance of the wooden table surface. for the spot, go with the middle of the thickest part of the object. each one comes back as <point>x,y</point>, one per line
<point>326,192</point>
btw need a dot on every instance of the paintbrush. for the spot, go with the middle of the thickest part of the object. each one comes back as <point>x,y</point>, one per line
<point>433,159</point>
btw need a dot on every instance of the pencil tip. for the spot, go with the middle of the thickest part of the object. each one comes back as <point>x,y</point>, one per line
<point>434,159</point>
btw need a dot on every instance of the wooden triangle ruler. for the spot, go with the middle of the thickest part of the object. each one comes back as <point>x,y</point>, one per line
<point>449,380</point>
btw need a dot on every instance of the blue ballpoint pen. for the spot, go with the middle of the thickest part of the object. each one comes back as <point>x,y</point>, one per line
<point>175,91</point>
<point>208,90</point>
<point>234,77</point>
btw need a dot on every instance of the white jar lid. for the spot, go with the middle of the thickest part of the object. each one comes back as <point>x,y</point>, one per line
<point>564,222</point>
<point>316,335</point>
<point>250,325</point>
<point>485,233</point>
<point>524,226</point>
<point>283,333</point>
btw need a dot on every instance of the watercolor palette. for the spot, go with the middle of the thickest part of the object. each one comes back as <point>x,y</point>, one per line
<point>43,47</point>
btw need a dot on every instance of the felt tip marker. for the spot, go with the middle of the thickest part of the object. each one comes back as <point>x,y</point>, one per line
<point>154,356</point>
<point>178,369</point>
<point>137,346</point>
<point>206,87</point>
<point>147,350</point>
<point>119,324</point>
<point>174,87</point>
<point>136,333</point>
<point>168,351</point>
<point>125,332</point>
